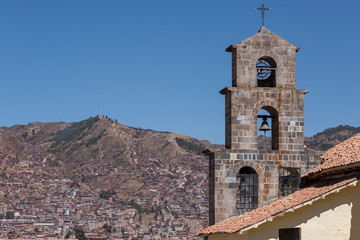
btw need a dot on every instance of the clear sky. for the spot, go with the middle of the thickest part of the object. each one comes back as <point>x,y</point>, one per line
<point>159,64</point>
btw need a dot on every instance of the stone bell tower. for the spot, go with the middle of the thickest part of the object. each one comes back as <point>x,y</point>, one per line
<point>242,177</point>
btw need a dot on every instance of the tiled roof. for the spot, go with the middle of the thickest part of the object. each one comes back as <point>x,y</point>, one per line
<point>276,208</point>
<point>343,154</point>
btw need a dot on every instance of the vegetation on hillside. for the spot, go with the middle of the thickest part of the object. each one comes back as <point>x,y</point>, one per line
<point>106,194</point>
<point>337,132</point>
<point>78,232</point>
<point>191,145</point>
<point>73,133</point>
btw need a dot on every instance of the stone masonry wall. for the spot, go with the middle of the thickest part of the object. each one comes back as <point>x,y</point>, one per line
<point>243,101</point>
<point>265,43</point>
<point>241,110</point>
<point>225,164</point>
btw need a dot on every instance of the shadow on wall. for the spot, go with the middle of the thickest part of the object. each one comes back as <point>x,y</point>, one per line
<point>355,219</point>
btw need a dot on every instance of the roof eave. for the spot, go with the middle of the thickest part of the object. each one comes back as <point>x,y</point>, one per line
<point>292,209</point>
<point>352,167</point>
<point>279,214</point>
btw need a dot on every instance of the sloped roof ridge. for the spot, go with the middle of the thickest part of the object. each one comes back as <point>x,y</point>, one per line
<point>263,31</point>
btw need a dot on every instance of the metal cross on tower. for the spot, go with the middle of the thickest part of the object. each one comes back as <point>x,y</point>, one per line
<point>263,8</point>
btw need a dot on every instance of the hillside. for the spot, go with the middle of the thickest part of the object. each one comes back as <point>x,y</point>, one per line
<point>139,181</point>
<point>97,145</point>
<point>153,174</point>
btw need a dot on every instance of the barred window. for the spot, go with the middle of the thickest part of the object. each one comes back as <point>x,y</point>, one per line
<point>247,190</point>
<point>289,181</point>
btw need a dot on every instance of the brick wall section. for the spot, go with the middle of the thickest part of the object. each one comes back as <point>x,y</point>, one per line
<point>241,110</point>
<point>265,43</point>
<point>225,164</point>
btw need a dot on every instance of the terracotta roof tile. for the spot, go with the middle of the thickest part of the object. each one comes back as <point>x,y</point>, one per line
<point>275,208</point>
<point>343,154</point>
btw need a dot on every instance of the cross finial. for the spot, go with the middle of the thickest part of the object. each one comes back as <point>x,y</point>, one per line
<point>263,8</point>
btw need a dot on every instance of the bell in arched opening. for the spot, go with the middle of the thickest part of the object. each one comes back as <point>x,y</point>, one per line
<point>264,125</point>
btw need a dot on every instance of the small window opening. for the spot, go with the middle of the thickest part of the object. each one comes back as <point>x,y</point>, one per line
<point>266,72</point>
<point>289,181</point>
<point>247,190</point>
<point>268,140</point>
<point>289,234</point>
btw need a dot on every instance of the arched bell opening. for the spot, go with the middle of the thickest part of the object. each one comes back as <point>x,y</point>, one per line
<point>247,190</point>
<point>266,72</point>
<point>268,128</point>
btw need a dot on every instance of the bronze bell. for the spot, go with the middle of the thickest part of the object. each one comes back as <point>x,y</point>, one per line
<point>264,125</point>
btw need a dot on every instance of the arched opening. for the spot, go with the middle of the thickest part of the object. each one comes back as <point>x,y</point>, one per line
<point>266,72</point>
<point>247,190</point>
<point>268,139</point>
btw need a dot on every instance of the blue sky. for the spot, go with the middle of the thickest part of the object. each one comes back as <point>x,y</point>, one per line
<point>160,64</point>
